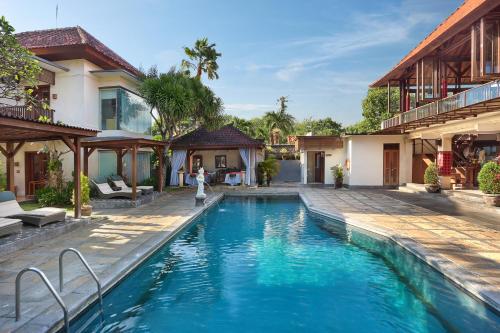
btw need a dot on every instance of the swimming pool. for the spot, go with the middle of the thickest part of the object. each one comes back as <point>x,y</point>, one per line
<point>267,265</point>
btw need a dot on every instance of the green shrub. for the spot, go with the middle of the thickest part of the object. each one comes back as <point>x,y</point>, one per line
<point>489,178</point>
<point>50,196</point>
<point>431,175</point>
<point>269,167</point>
<point>338,172</point>
<point>84,188</point>
<point>152,181</point>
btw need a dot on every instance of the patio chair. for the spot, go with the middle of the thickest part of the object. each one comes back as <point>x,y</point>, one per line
<point>9,226</point>
<point>104,191</point>
<point>10,208</point>
<point>119,182</point>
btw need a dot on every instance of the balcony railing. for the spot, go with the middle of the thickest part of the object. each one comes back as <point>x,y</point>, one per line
<point>28,113</point>
<point>468,98</point>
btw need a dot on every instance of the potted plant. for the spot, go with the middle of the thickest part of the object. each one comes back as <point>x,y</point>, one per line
<point>431,179</point>
<point>84,195</point>
<point>338,175</point>
<point>489,183</point>
<point>270,168</point>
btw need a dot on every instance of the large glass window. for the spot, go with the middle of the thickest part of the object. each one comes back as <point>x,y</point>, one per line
<point>109,109</point>
<point>107,165</point>
<point>123,110</point>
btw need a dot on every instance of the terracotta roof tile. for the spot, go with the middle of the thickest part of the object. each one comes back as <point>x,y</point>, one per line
<point>71,36</point>
<point>227,136</point>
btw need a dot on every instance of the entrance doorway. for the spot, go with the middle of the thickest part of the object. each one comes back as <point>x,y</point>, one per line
<point>316,167</point>
<point>35,171</point>
<point>424,153</point>
<point>391,164</point>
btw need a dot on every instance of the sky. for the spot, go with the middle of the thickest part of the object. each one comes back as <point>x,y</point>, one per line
<point>321,54</point>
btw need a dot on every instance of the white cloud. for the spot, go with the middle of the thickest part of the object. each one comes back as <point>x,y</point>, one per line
<point>366,31</point>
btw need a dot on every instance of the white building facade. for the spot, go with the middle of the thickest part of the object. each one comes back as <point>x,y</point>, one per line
<point>90,87</point>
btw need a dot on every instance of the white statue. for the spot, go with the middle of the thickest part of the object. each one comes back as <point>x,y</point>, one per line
<point>201,186</point>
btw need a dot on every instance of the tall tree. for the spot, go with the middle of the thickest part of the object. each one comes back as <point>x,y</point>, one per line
<point>375,110</point>
<point>18,68</point>
<point>279,122</point>
<point>325,126</point>
<point>202,59</point>
<point>179,103</point>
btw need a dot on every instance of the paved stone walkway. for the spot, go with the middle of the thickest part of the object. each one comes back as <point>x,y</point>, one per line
<point>468,253</point>
<point>112,248</point>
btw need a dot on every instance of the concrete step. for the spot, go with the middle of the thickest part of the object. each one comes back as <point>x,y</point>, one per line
<point>467,198</point>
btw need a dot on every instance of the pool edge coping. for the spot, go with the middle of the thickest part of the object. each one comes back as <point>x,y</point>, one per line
<point>147,249</point>
<point>446,267</point>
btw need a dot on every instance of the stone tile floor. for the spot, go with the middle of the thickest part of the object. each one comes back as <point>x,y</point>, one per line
<point>468,251</point>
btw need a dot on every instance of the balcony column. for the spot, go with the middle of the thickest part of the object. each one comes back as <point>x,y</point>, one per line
<point>445,160</point>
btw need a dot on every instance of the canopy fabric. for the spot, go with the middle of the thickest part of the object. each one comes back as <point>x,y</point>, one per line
<point>245,156</point>
<point>178,158</point>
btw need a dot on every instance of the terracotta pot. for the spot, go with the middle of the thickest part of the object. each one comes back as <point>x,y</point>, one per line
<point>432,188</point>
<point>86,210</point>
<point>492,199</point>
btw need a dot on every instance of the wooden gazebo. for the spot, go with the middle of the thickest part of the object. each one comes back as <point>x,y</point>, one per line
<point>122,145</point>
<point>16,131</point>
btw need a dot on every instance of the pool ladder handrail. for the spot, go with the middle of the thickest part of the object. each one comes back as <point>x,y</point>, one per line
<point>49,286</point>
<point>87,266</point>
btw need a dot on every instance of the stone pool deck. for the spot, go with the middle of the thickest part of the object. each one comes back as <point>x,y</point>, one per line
<point>466,252</point>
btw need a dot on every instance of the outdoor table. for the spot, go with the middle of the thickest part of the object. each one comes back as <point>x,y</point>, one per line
<point>192,181</point>
<point>236,180</point>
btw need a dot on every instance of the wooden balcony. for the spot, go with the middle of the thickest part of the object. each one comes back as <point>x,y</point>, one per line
<point>469,103</point>
<point>28,113</point>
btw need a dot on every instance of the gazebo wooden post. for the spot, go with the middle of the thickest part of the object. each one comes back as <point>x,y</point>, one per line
<point>86,161</point>
<point>134,172</point>
<point>119,162</point>
<point>159,151</point>
<point>86,154</point>
<point>10,167</point>
<point>76,176</point>
<point>10,152</point>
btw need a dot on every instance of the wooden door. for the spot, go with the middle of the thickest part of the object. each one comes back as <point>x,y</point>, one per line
<point>35,171</point>
<point>419,164</point>
<point>391,165</point>
<point>319,167</point>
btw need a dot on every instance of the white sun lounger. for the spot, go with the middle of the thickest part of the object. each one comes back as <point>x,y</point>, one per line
<point>10,208</point>
<point>9,226</point>
<point>106,192</point>
<point>118,182</point>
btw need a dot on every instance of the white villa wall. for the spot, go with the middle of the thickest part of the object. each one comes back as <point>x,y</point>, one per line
<point>332,158</point>
<point>232,157</point>
<point>19,162</point>
<point>76,104</point>
<point>365,155</point>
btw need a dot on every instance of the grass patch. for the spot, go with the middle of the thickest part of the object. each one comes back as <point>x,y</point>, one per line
<point>31,205</point>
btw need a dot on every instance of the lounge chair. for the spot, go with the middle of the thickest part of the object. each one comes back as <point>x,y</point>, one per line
<point>9,226</point>
<point>104,191</point>
<point>119,182</point>
<point>10,208</point>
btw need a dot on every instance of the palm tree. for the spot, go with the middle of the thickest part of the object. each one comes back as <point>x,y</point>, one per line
<point>279,121</point>
<point>202,59</point>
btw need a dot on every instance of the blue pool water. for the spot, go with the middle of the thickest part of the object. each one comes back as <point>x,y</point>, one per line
<point>267,265</point>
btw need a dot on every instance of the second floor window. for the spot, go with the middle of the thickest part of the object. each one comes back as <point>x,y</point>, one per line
<point>123,110</point>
